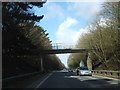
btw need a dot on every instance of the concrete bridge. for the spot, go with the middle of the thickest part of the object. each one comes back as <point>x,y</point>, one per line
<point>63,51</point>
<point>60,48</point>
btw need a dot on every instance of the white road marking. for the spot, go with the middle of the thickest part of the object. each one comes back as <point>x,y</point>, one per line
<point>43,81</point>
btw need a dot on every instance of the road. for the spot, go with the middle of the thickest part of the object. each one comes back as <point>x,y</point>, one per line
<point>62,79</point>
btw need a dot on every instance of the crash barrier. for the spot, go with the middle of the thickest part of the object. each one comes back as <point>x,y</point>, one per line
<point>17,78</point>
<point>112,74</point>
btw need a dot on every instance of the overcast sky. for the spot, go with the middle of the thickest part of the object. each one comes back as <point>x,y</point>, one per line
<point>67,21</point>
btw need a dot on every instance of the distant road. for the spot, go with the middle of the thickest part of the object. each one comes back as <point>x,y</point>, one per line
<point>62,79</point>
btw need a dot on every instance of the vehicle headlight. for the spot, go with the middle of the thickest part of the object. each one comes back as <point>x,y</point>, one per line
<point>89,72</point>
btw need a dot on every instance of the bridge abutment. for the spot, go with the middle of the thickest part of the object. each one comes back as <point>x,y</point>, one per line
<point>89,61</point>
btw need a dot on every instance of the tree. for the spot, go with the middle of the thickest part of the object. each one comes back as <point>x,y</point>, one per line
<point>103,38</point>
<point>21,39</point>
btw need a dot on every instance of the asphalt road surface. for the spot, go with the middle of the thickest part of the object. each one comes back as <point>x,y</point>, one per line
<point>63,79</point>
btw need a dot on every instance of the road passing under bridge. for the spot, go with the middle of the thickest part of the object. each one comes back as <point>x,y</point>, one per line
<point>65,79</point>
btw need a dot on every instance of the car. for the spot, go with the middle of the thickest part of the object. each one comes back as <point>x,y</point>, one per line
<point>84,71</point>
<point>70,70</point>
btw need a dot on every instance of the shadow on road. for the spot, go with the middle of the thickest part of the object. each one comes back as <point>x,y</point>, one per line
<point>91,82</point>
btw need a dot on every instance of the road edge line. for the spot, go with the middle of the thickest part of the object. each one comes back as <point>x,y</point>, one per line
<point>43,80</point>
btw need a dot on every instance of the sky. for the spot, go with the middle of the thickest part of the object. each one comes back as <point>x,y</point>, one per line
<point>66,21</point>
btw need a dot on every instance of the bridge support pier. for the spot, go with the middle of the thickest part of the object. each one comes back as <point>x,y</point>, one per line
<point>89,61</point>
<point>41,62</point>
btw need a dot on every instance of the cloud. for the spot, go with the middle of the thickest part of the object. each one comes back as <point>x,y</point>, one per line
<point>85,10</point>
<point>54,11</point>
<point>66,32</point>
<point>69,32</point>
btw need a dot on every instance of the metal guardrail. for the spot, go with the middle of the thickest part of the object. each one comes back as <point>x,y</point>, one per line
<point>112,74</point>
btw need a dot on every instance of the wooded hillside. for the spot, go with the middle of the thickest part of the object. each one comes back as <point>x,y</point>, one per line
<point>21,38</point>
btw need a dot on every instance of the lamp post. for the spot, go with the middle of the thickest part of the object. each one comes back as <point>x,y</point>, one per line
<point>118,41</point>
<point>118,24</point>
<point>119,15</point>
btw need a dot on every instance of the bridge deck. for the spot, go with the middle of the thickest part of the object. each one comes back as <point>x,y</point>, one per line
<point>61,51</point>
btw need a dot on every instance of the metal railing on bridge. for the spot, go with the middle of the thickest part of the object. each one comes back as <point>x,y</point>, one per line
<point>63,46</point>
